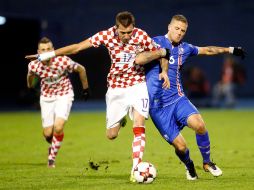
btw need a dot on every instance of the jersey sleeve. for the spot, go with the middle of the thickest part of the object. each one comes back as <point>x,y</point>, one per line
<point>149,44</point>
<point>100,38</point>
<point>32,66</point>
<point>157,41</point>
<point>193,50</point>
<point>71,65</point>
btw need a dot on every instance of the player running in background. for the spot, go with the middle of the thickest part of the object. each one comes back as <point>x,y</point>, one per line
<point>56,94</point>
<point>170,109</point>
<point>127,90</point>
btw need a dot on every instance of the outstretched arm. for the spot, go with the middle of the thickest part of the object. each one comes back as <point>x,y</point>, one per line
<point>74,48</point>
<point>67,50</point>
<point>214,50</point>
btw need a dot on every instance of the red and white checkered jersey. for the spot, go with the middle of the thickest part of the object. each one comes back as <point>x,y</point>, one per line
<point>54,77</point>
<point>124,72</point>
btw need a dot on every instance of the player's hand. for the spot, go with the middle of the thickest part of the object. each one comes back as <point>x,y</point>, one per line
<point>31,57</point>
<point>166,83</point>
<point>86,93</point>
<point>239,51</point>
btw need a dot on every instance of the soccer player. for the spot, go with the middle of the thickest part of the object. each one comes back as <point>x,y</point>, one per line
<point>56,94</point>
<point>127,90</point>
<point>170,109</point>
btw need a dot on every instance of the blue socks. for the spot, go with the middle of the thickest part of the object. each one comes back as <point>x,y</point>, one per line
<point>184,157</point>
<point>204,146</point>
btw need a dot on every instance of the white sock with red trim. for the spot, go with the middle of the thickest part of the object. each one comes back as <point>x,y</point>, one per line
<point>55,146</point>
<point>138,145</point>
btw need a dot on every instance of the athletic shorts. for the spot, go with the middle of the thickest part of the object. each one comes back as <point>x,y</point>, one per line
<point>120,101</point>
<point>59,107</point>
<point>170,120</point>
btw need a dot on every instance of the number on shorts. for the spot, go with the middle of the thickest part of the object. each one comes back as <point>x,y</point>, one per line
<point>145,102</point>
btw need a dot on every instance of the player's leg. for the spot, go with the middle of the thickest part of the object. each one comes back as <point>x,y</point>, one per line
<point>139,101</point>
<point>57,140</point>
<point>139,140</point>
<point>62,111</point>
<point>183,154</point>
<point>117,109</point>
<point>48,133</point>
<point>47,115</point>
<point>195,121</point>
<point>166,122</point>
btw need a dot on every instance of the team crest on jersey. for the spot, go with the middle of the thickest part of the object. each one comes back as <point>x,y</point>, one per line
<point>180,51</point>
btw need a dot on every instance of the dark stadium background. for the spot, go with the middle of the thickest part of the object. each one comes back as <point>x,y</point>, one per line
<point>211,22</point>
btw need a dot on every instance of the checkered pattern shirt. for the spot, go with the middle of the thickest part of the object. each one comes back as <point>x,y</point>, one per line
<point>124,72</point>
<point>54,77</point>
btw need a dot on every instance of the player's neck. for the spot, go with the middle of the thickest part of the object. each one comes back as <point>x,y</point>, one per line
<point>47,63</point>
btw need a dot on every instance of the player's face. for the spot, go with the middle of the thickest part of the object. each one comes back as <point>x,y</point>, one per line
<point>176,31</point>
<point>43,48</point>
<point>125,33</point>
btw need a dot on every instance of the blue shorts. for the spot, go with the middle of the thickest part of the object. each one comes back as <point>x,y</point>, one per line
<point>170,120</point>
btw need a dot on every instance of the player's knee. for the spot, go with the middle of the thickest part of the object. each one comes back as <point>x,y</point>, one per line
<point>200,127</point>
<point>111,135</point>
<point>181,148</point>
<point>58,129</point>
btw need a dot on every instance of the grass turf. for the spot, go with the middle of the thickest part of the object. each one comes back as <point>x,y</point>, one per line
<point>23,154</point>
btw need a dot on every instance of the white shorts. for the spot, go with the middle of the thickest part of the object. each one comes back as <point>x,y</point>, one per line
<point>120,101</point>
<point>58,107</point>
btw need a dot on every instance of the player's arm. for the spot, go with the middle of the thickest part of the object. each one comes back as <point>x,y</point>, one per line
<point>67,50</point>
<point>148,56</point>
<point>83,78</point>
<point>82,75</point>
<point>30,80</point>
<point>214,50</point>
<point>164,73</point>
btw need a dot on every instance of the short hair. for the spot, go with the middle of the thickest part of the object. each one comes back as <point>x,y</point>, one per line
<point>125,18</point>
<point>179,18</point>
<point>44,40</point>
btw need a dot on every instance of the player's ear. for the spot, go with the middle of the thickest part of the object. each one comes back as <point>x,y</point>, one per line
<point>168,26</point>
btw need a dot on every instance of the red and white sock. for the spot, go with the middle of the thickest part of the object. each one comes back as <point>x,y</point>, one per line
<point>55,146</point>
<point>138,145</point>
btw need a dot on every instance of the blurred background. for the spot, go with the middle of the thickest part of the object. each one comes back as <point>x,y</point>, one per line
<point>211,22</point>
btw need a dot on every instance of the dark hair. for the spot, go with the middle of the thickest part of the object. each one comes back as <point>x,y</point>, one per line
<point>125,18</point>
<point>180,18</point>
<point>44,40</point>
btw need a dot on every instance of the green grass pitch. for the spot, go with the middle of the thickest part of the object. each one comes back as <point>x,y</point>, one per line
<point>23,154</point>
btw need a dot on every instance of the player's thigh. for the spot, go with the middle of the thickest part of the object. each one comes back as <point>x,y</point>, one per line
<point>139,100</point>
<point>47,113</point>
<point>183,110</point>
<point>165,122</point>
<point>48,131</point>
<point>117,106</point>
<point>138,119</point>
<point>63,108</point>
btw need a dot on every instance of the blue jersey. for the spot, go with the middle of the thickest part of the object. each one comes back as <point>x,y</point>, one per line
<point>158,96</point>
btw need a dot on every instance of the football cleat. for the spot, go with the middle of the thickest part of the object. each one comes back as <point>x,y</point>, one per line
<point>51,164</point>
<point>191,172</point>
<point>132,178</point>
<point>123,122</point>
<point>212,168</point>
